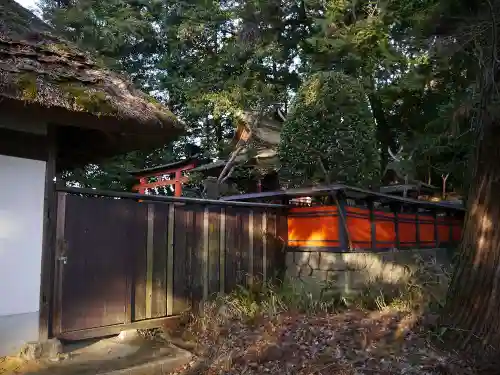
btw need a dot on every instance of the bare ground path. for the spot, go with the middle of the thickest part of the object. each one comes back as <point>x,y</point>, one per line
<point>112,356</point>
<point>354,342</point>
<point>349,343</point>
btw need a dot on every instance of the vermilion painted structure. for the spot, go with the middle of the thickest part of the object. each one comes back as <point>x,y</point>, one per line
<point>320,228</point>
<point>343,218</point>
<point>165,175</point>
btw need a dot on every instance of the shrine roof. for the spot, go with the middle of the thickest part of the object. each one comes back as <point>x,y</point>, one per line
<point>196,159</point>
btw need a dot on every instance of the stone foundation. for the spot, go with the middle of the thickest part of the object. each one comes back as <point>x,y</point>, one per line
<point>349,272</point>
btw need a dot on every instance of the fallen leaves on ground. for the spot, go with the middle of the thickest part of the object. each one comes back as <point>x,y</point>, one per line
<point>349,343</point>
<point>14,365</point>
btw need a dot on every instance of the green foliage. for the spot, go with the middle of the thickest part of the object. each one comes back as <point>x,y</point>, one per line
<point>124,35</point>
<point>209,59</point>
<point>413,89</point>
<point>121,32</point>
<point>330,120</point>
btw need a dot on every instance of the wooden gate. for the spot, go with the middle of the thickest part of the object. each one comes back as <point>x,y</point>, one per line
<point>123,263</point>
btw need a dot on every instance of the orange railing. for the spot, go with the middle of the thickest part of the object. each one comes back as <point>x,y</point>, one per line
<point>322,227</point>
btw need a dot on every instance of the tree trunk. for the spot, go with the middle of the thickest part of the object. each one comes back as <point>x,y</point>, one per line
<point>219,135</point>
<point>473,305</point>
<point>383,133</point>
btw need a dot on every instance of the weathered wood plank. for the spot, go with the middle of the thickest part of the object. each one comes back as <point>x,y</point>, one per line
<point>170,259</point>
<point>140,275</point>
<point>197,270</point>
<point>214,248</point>
<point>242,249</point>
<point>282,241</point>
<point>231,245</point>
<point>136,238</point>
<point>250,248</point>
<point>171,322</point>
<point>264,246</point>
<point>181,260</point>
<point>257,245</point>
<point>58,277</point>
<point>159,280</point>
<point>204,258</point>
<point>149,260</point>
<point>48,244</point>
<point>222,252</point>
<point>272,245</point>
<point>190,225</point>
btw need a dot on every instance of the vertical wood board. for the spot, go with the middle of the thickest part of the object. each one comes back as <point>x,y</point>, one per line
<point>170,260</point>
<point>160,257</point>
<point>214,248</point>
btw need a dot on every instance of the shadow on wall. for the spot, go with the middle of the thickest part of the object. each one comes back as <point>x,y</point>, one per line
<point>351,272</point>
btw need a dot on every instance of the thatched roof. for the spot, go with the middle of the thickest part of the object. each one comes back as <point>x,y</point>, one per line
<point>42,70</point>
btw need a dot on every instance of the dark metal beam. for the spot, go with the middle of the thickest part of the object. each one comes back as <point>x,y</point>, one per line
<point>158,198</point>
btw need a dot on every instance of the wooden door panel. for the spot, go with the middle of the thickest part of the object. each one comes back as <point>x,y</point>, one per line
<point>99,252</point>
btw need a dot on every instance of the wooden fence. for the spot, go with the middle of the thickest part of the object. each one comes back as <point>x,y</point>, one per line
<point>123,259</point>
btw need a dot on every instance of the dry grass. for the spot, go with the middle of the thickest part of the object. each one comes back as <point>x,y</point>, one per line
<point>425,292</point>
<point>286,330</point>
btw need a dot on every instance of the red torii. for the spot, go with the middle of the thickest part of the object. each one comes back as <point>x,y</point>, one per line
<point>167,174</point>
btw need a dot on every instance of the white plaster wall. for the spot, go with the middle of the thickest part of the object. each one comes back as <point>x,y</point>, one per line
<point>22,183</point>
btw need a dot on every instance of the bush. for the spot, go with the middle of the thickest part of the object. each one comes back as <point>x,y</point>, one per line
<point>330,119</point>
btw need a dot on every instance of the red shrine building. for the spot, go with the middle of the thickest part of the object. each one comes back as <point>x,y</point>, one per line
<point>254,145</point>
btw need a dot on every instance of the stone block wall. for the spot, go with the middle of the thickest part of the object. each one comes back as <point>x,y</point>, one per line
<point>352,271</point>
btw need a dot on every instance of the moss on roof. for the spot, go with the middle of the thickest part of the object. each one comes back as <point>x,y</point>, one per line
<point>37,66</point>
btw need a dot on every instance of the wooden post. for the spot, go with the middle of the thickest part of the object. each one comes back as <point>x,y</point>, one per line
<point>178,184</point>
<point>60,247</point>
<point>396,228</point>
<point>48,242</point>
<point>373,227</point>
<point>342,224</point>
<point>417,228</point>
<point>142,181</point>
